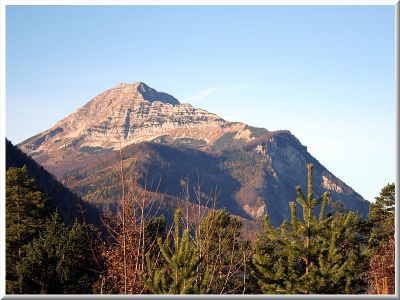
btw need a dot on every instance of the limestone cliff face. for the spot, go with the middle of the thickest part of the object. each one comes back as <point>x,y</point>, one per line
<point>126,114</point>
<point>255,169</point>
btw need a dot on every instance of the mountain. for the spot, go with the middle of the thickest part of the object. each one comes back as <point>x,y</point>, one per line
<point>166,145</point>
<point>126,114</point>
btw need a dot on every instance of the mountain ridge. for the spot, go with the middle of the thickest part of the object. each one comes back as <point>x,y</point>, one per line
<point>260,167</point>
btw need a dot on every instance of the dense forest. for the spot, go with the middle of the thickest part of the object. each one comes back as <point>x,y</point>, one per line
<point>54,246</point>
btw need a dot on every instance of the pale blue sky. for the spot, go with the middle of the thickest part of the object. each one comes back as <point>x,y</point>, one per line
<point>326,73</point>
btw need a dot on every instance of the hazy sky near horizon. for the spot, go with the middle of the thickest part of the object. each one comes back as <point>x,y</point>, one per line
<point>326,73</point>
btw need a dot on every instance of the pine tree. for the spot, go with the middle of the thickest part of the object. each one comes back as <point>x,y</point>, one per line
<point>25,214</point>
<point>311,254</point>
<point>58,261</point>
<point>40,265</point>
<point>343,255</point>
<point>274,266</point>
<point>178,273</point>
<point>381,215</point>
<point>75,263</point>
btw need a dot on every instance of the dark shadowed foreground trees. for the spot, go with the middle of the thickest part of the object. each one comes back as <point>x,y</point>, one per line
<point>43,254</point>
<point>25,216</point>
<point>58,261</point>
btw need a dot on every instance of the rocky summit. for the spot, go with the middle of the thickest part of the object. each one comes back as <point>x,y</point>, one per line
<point>254,170</point>
<point>126,114</point>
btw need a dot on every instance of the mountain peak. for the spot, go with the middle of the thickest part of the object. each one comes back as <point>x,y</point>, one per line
<point>149,94</point>
<point>127,113</point>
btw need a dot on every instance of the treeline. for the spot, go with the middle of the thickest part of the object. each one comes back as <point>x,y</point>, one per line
<point>322,249</point>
